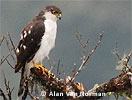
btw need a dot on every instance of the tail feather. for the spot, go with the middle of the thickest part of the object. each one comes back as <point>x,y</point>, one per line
<point>22,82</point>
<point>24,76</point>
<point>18,66</point>
<point>21,86</point>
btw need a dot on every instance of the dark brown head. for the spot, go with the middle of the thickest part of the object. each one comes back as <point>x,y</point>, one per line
<point>51,12</point>
<point>54,10</point>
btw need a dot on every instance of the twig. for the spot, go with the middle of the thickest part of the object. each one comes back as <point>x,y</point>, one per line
<point>12,43</point>
<point>4,59</point>
<point>87,58</point>
<point>10,47</point>
<point>1,59</point>
<point>129,56</point>
<point>62,72</point>
<point>79,37</point>
<point>10,65</point>
<point>83,44</point>
<point>2,94</point>
<point>74,70</point>
<point>124,63</point>
<point>116,52</point>
<point>7,43</point>
<point>58,67</point>
<point>3,37</point>
<point>52,65</point>
<point>8,90</point>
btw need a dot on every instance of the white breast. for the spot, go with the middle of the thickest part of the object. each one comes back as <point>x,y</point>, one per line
<point>48,40</point>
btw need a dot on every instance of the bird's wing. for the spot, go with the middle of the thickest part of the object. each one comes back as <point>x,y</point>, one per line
<point>31,37</point>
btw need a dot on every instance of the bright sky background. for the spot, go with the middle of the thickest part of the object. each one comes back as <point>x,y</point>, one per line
<point>87,17</point>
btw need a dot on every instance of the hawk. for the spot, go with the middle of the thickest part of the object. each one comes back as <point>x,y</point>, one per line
<point>36,41</point>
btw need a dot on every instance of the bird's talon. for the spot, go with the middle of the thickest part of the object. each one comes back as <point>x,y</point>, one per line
<point>44,70</point>
<point>48,74</point>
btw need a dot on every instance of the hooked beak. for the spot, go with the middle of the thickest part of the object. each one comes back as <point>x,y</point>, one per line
<point>59,16</point>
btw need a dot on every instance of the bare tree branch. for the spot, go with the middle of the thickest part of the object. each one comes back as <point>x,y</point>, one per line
<point>119,84</point>
<point>4,59</point>
<point>58,66</point>
<point>9,48</point>
<point>83,44</point>
<point>116,51</point>
<point>128,57</point>
<point>8,90</point>
<point>9,64</point>
<point>2,39</point>
<point>12,43</point>
<point>2,94</point>
<point>87,58</point>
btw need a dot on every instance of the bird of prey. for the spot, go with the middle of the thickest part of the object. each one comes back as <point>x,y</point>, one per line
<point>36,41</point>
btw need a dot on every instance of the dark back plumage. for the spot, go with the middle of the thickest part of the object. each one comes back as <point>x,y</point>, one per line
<point>29,44</point>
<point>31,41</point>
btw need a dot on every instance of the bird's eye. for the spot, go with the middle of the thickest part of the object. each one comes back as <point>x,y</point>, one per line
<point>54,12</point>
